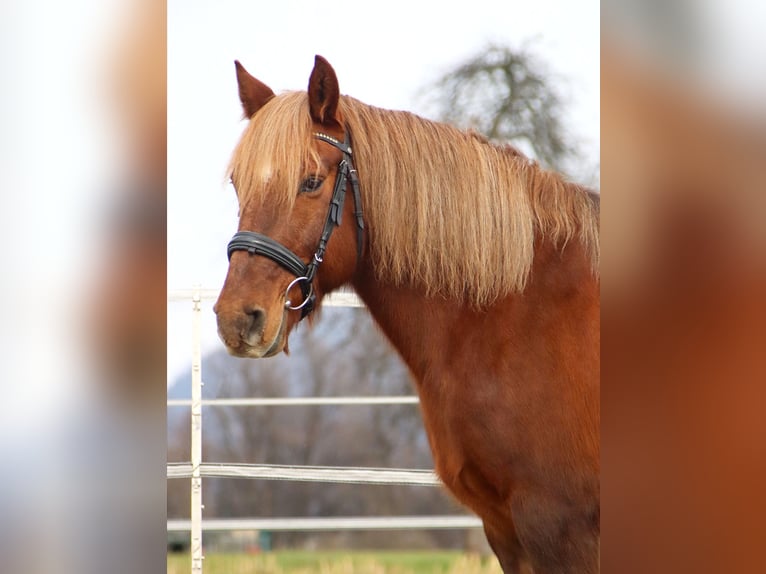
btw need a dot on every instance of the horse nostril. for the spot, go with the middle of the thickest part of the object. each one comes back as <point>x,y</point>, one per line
<point>257,321</point>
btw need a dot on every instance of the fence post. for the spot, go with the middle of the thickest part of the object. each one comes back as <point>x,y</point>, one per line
<point>196,435</point>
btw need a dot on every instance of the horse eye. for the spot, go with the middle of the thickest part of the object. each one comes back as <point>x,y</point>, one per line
<point>311,184</point>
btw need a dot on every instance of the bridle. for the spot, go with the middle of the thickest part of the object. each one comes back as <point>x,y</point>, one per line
<point>259,244</point>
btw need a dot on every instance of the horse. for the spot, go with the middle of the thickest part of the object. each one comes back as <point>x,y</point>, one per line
<point>479,266</point>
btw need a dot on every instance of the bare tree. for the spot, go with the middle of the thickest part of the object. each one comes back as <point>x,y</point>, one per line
<point>506,95</point>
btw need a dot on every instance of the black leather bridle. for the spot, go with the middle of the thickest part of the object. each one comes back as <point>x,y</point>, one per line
<point>259,244</point>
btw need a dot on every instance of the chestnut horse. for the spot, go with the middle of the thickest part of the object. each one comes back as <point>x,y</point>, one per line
<point>479,266</point>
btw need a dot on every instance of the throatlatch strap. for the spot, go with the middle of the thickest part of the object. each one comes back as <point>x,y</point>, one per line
<point>357,213</point>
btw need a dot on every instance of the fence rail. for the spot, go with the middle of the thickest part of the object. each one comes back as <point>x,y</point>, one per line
<point>297,401</point>
<point>331,474</point>
<point>335,299</point>
<point>335,523</point>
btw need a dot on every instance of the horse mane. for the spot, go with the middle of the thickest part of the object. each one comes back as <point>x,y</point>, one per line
<point>446,209</point>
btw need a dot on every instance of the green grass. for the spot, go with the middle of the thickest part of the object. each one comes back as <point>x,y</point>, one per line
<point>296,562</point>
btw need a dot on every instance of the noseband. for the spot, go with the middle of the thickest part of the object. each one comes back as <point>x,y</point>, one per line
<point>258,244</point>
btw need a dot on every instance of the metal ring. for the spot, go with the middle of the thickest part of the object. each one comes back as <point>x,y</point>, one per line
<point>288,303</point>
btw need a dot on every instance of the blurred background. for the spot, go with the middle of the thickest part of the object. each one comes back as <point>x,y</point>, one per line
<point>83,296</point>
<point>683,278</point>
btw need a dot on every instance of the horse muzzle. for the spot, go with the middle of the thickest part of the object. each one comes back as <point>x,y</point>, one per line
<point>248,333</point>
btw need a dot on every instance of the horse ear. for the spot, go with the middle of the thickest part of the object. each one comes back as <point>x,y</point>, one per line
<point>252,93</point>
<point>323,92</point>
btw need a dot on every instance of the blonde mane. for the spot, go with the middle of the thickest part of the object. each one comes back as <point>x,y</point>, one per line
<point>445,209</point>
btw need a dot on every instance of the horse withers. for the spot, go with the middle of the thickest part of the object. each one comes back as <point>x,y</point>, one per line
<point>479,266</point>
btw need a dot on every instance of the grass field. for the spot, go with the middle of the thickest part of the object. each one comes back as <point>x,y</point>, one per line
<point>291,562</point>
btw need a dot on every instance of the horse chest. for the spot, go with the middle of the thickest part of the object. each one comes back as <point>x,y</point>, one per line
<point>469,457</point>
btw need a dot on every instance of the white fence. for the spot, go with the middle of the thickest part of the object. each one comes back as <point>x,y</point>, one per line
<point>196,469</point>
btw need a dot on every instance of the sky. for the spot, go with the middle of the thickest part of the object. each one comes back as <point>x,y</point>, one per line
<point>383,53</point>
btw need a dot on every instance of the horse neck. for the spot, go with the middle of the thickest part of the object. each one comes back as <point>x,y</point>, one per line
<point>427,330</point>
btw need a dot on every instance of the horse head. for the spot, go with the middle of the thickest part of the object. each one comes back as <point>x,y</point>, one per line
<point>290,170</point>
